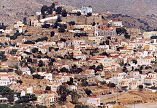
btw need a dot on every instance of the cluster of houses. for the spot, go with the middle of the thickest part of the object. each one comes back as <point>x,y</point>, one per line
<point>127,63</point>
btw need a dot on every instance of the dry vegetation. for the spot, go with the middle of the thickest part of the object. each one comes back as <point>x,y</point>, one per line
<point>134,97</point>
<point>12,10</point>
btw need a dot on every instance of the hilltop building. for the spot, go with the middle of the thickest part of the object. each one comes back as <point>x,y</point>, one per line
<point>86,10</point>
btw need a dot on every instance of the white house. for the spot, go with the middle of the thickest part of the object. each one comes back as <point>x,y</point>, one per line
<point>124,83</point>
<point>90,71</point>
<point>153,75</point>
<point>4,79</point>
<point>117,23</point>
<point>149,80</point>
<point>76,10</point>
<point>23,93</point>
<point>55,85</point>
<point>61,44</point>
<point>117,76</point>
<point>48,76</point>
<point>93,101</point>
<point>4,75</point>
<point>143,76</point>
<point>30,90</point>
<point>72,87</point>
<point>145,61</point>
<point>135,74</point>
<point>25,70</point>
<point>86,10</point>
<point>82,57</point>
<point>4,82</point>
<point>47,99</point>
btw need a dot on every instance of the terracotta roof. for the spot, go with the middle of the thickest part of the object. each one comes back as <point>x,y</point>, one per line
<point>4,74</point>
<point>19,91</point>
<point>116,21</point>
<point>148,78</point>
<point>100,57</point>
<point>109,29</point>
<point>135,71</point>
<point>60,42</point>
<point>118,72</point>
<point>130,77</point>
<point>147,57</point>
<point>94,59</point>
<point>68,75</point>
<point>93,97</point>
<point>123,81</point>
<point>58,77</point>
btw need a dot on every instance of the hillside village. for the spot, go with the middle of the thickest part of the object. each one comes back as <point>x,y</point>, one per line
<point>76,58</point>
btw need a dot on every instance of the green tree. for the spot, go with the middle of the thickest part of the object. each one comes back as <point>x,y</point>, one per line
<point>44,9</point>
<point>2,56</point>
<point>32,69</point>
<point>64,13</point>
<point>59,10</point>
<point>63,92</point>
<point>84,82</point>
<point>48,88</point>
<point>127,36</point>
<point>124,87</point>
<point>70,82</point>
<point>40,64</point>
<point>89,14</point>
<point>7,92</point>
<point>35,50</point>
<point>111,85</point>
<point>52,33</point>
<point>121,63</point>
<point>140,87</point>
<point>13,51</point>
<point>53,5</point>
<point>61,29</point>
<point>88,92</point>
<point>78,13</point>
<point>103,82</point>
<point>121,31</point>
<point>18,72</point>
<point>147,84</point>
<point>75,96</point>
<point>27,98</point>
<point>53,106</point>
<point>6,43</point>
<point>1,45</point>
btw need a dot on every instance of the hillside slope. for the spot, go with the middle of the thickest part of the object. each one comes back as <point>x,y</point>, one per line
<point>135,7</point>
<point>143,13</point>
<point>11,10</point>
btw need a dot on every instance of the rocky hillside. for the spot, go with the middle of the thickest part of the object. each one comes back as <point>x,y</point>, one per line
<point>11,10</point>
<point>139,10</point>
<point>131,7</point>
<point>144,23</point>
<point>135,13</point>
